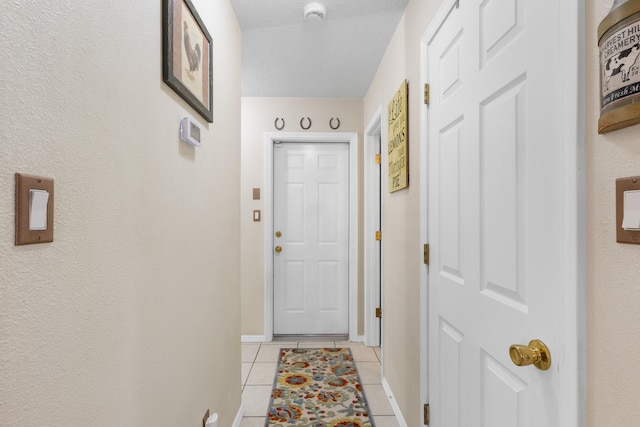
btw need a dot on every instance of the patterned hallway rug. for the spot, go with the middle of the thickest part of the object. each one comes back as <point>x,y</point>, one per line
<point>317,387</point>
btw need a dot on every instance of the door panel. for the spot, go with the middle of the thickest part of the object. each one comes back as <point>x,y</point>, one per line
<point>293,294</point>
<point>449,148</point>
<point>328,286</point>
<point>501,21</point>
<point>503,190</point>
<point>311,210</point>
<point>449,343</point>
<point>506,402</point>
<point>295,212</point>
<point>328,213</point>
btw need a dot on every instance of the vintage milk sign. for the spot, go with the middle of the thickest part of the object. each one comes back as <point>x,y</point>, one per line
<point>398,140</point>
<point>619,64</point>
<point>619,43</point>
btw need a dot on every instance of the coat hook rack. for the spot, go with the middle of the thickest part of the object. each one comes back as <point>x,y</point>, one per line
<point>302,123</point>
<point>275,123</point>
<point>331,123</point>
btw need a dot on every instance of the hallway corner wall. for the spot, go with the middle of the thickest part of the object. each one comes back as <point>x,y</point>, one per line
<point>258,117</point>
<point>130,317</point>
<point>401,225</point>
<point>613,286</point>
<point>612,291</point>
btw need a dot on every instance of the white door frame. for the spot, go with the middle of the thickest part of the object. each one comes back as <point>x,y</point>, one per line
<point>372,220</point>
<point>350,138</point>
<point>571,73</point>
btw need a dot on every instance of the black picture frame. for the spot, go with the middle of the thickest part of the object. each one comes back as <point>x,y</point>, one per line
<point>187,56</point>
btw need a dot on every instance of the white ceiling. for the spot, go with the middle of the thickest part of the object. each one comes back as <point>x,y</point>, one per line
<point>284,56</point>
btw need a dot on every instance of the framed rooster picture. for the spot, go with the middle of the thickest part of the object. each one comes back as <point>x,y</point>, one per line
<point>187,60</point>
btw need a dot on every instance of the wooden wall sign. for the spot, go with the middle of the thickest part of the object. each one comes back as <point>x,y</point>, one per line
<point>398,140</point>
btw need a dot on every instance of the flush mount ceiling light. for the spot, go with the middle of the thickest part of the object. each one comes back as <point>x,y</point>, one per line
<point>315,12</point>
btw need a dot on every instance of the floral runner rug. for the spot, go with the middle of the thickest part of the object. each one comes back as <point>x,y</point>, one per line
<point>317,387</point>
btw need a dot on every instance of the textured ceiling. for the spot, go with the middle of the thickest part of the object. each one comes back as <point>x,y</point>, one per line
<point>284,56</point>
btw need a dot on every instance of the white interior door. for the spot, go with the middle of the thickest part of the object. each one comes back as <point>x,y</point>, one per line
<point>500,242</point>
<point>311,223</point>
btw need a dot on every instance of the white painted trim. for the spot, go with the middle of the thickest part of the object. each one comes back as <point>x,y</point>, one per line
<point>572,56</point>
<point>350,138</point>
<point>384,135</point>
<point>359,338</point>
<point>439,19</point>
<point>268,236</point>
<point>424,235</point>
<point>573,78</point>
<point>372,219</point>
<point>252,338</point>
<point>394,404</point>
<point>238,419</point>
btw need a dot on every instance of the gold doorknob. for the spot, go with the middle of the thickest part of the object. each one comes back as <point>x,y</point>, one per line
<point>278,249</point>
<point>536,354</point>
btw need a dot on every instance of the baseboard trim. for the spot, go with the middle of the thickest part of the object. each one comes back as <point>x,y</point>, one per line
<point>394,405</point>
<point>261,338</point>
<point>252,338</point>
<point>238,420</point>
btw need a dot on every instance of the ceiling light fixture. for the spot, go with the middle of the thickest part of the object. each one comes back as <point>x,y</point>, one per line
<point>315,12</point>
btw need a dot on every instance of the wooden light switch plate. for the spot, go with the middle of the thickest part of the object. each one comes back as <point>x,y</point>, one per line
<point>622,185</point>
<point>24,183</point>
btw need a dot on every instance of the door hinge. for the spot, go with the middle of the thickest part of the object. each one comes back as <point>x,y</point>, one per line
<point>426,414</point>
<point>378,235</point>
<point>378,159</point>
<point>379,313</point>
<point>426,253</point>
<point>426,93</point>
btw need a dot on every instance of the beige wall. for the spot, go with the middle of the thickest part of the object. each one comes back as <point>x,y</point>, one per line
<point>131,316</point>
<point>401,226</point>
<point>258,116</point>
<point>613,269</point>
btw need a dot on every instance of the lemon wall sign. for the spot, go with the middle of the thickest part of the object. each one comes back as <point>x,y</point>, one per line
<point>398,140</point>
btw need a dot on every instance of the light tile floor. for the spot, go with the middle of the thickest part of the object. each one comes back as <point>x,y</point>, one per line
<point>259,368</point>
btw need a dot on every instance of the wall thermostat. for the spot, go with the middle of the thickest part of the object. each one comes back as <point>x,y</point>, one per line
<point>190,132</point>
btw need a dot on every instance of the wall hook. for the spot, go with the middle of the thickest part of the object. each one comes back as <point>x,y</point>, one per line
<point>331,123</point>
<point>302,123</point>
<point>276,123</point>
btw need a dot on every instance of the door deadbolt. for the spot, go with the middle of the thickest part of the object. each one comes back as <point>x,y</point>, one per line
<point>536,354</point>
<point>278,234</point>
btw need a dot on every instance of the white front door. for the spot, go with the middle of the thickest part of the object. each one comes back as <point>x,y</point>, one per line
<point>498,203</point>
<point>311,241</point>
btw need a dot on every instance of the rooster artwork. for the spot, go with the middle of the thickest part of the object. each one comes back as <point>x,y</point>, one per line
<point>187,51</point>
<point>193,53</point>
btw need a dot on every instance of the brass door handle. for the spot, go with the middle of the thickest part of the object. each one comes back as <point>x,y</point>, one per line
<point>536,354</point>
<point>278,249</point>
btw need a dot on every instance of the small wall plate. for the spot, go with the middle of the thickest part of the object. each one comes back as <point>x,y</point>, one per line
<point>190,132</point>
<point>25,236</point>
<point>622,185</point>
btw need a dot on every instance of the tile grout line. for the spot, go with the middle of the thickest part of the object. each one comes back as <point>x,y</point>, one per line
<point>255,357</point>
